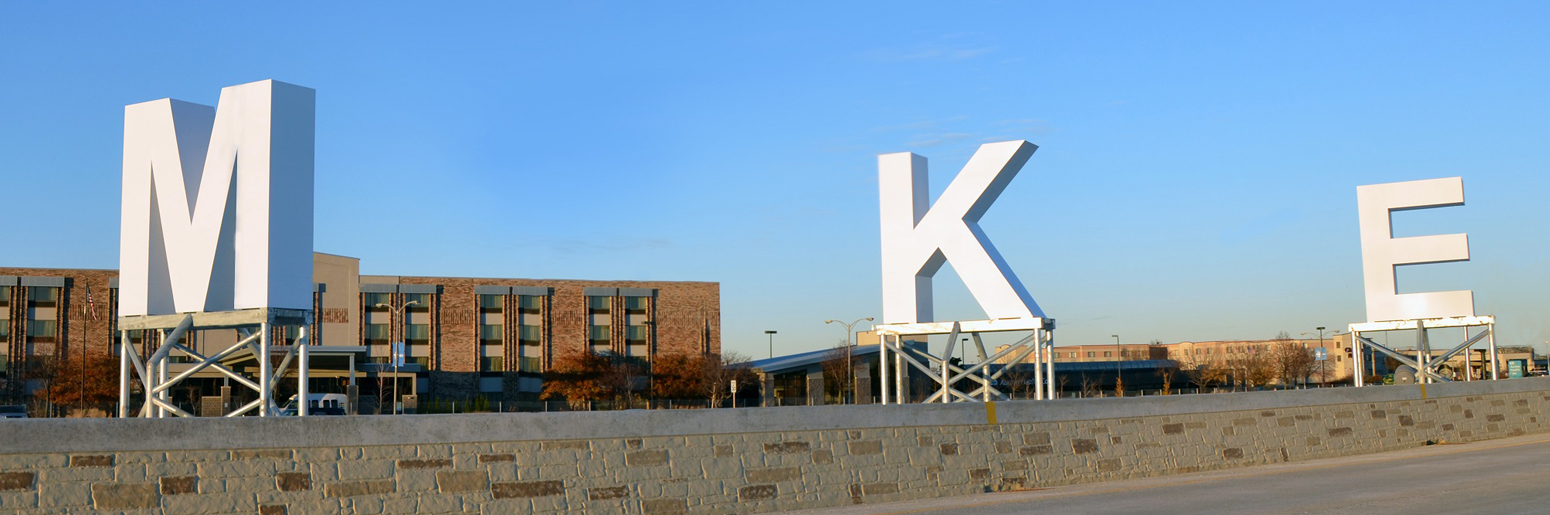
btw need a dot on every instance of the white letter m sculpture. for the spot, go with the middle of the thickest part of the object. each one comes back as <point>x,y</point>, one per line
<point>217,202</point>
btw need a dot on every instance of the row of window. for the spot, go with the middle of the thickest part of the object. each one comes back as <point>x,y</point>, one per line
<point>37,296</point>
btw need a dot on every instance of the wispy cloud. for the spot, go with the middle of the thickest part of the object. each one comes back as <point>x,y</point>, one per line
<point>942,48</point>
<point>938,139</point>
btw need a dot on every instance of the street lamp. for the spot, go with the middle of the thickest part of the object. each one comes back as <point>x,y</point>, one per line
<point>772,343</point>
<point>850,372</point>
<point>1117,352</point>
<point>395,314</point>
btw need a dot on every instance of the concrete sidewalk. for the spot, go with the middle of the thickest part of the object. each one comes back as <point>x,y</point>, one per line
<point>1506,476</point>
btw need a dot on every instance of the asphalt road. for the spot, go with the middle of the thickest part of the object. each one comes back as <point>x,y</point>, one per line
<point>1504,476</point>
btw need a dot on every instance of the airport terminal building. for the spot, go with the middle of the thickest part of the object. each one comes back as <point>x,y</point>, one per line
<point>465,338</point>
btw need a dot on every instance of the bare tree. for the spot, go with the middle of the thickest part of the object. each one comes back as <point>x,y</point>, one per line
<point>1090,385</point>
<point>718,372</point>
<point>1166,373</point>
<point>1018,381</point>
<point>1252,365</point>
<point>835,377</point>
<point>1202,370</point>
<point>1292,360</point>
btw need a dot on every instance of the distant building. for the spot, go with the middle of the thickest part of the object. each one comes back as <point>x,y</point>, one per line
<point>466,337</point>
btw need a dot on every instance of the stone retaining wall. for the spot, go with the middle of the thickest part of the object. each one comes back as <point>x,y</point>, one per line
<point>716,461</point>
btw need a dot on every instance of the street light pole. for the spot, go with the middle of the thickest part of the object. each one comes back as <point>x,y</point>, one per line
<point>850,372</point>
<point>1322,377</point>
<point>395,314</point>
<point>772,343</point>
<point>1117,352</point>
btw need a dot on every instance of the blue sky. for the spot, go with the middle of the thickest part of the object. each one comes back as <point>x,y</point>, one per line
<point>1196,177</point>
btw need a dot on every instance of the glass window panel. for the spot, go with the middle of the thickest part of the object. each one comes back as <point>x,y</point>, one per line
<point>530,333</point>
<point>5,295</point>
<point>422,361</point>
<point>636,332</point>
<point>530,303</point>
<point>527,364</point>
<point>598,304</point>
<point>422,302</point>
<point>491,302</point>
<point>490,364</point>
<point>377,332</point>
<point>5,328</point>
<point>599,333</point>
<point>490,332</point>
<point>371,300</point>
<point>418,332</point>
<point>42,295</point>
<point>40,328</point>
<point>635,305</point>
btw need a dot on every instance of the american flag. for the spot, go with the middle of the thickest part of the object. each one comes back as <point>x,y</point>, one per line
<point>91,305</point>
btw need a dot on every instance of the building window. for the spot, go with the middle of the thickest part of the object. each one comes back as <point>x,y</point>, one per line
<point>42,330</point>
<point>376,301</point>
<point>529,364</point>
<point>422,302</point>
<point>491,303</point>
<point>598,338</point>
<point>5,296</point>
<point>42,296</point>
<point>635,305</point>
<point>529,334</point>
<point>377,334</point>
<point>417,334</point>
<point>490,364</point>
<point>1089,354</point>
<point>5,328</point>
<point>490,333</point>
<point>598,305</point>
<point>1108,354</point>
<point>529,305</point>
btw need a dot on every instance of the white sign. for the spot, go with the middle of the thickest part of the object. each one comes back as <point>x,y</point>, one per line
<point>217,202</point>
<point>1382,253</point>
<point>397,354</point>
<point>918,237</point>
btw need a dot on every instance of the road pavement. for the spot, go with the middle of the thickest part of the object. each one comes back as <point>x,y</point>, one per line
<point>1506,476</point>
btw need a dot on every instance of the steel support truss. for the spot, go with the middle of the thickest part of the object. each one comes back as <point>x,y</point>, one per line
<point>1426,366</point>
<point>254,328</point>
<point>895,356</point>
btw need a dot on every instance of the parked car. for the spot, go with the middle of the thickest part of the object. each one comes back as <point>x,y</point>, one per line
<point>13,411</point>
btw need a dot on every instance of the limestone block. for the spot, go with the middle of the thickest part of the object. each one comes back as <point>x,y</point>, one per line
<point>134,496</point>
<point>358,488</point>
<point>365,469</point>
<point>526,489</point>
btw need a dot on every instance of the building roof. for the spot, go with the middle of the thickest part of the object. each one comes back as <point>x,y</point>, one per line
<point>781,364</point>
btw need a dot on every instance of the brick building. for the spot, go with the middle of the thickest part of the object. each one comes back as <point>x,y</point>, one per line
<point>465,337</point>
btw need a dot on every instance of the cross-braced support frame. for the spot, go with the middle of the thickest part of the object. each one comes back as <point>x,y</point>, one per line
<point>1427,367</point>
<point>895,356</point>
<point>254,328</point>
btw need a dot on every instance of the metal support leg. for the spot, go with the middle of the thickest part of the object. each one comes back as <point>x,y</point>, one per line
<point>1038,364</point>
<point>1049,367</point>
<point>161,379</point>
<point>1491,341</point>
<point>265,387</point>
<point>1356,359</point>
<point>123,375</point>
<point>900,394</point>
<point>882,358</point>
<point>302,375</point>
